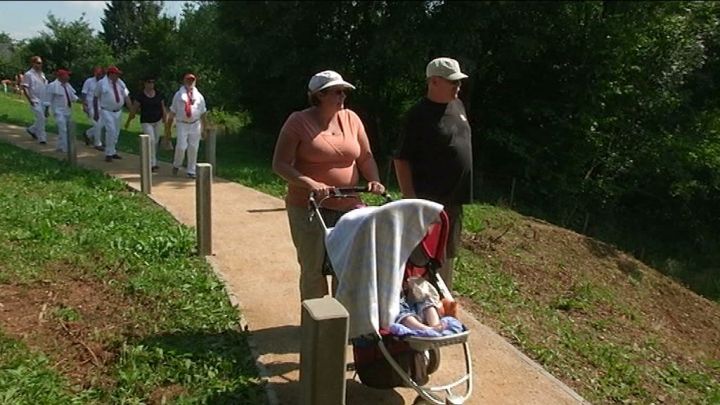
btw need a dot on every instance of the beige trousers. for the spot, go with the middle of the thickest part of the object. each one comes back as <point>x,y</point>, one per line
<point>308,238</point>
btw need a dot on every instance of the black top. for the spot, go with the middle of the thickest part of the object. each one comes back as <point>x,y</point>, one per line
<point>437,144</point>
<point>150,107</point>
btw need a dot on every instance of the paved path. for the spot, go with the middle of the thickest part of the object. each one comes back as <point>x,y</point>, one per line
<point>254,255</point>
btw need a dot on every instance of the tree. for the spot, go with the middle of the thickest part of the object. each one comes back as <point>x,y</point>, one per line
<point>123,22</point>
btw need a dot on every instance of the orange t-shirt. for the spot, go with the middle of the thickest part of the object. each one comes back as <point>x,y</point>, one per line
<point>326,156</point>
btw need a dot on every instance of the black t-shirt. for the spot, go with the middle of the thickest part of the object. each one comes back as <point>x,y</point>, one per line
<point>150,107</point>
<point>437,144</point>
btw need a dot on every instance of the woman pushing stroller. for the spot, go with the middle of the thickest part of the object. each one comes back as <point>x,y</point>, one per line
<point>320,148</point>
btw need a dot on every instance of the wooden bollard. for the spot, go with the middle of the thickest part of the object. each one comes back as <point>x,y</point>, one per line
<point>203,200</point>
<point>324,330</point>
<point>145,174</point>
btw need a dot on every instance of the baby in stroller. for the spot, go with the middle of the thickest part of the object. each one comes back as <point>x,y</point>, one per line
<point>421,312</point>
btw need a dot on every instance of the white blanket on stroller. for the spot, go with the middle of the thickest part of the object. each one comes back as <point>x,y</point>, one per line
<point>368,248</point>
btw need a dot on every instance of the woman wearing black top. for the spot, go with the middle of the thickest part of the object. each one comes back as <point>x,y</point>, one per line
<point>152,115</point>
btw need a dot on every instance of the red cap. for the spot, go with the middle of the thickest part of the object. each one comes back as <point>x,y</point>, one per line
<point>189,76</point>
<point>113,69</point>
<point>62,73</point>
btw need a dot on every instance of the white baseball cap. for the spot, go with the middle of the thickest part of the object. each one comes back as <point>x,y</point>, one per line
<point>446,68</point>
<point>325,79</point>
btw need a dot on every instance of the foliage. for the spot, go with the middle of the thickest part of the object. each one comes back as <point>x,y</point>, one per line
<point>123,21</point>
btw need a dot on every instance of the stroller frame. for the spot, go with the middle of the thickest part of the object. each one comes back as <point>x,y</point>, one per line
<point>418,344</point>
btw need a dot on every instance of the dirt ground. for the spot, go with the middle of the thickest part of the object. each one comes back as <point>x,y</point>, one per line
<point>72,321</point>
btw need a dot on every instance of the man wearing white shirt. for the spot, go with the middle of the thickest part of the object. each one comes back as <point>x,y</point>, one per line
<point>60,96</point>
<point>188,106</point>
<point>33,86</point>
<point>110,95</point>
<point>92,135</point>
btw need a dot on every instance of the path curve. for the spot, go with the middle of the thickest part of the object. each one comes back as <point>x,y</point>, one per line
<point>253,254</point>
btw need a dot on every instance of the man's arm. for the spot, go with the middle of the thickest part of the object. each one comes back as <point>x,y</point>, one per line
<point>403,172</point>
<point>168,124</point>
<point>26,89</point>
<point>131,114</point>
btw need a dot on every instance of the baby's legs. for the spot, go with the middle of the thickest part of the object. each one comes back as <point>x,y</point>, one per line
<point>432,318</point>
<point>413,322</point>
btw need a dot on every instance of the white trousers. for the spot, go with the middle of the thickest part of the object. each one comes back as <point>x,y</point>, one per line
<point>111,123</point>
<point>153,129</point>
<point>38,127</point>
<point>188,138</point>
<point>61,119</point>
<point>95,130</point>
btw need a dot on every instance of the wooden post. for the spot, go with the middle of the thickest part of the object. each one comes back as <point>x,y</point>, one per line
<point>324,335</point>
<point>203,199</point>
<point>71,151</point>
<point>145,174</point>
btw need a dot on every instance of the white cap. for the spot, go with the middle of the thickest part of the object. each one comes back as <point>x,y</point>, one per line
<point>325,79</point>
<point>446,68</point>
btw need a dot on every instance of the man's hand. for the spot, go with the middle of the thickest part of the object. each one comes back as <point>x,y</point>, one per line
<point>130,118</point>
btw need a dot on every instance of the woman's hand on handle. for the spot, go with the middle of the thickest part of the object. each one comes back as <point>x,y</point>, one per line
<point>321,190</point>
<point>376,187</point>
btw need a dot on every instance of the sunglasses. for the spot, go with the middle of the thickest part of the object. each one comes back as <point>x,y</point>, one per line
<point>336,92</point>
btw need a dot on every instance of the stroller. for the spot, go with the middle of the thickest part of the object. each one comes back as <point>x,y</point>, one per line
<point>383,360</point>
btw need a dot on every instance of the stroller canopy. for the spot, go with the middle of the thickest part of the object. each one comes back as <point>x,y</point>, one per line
<point>368,248</point>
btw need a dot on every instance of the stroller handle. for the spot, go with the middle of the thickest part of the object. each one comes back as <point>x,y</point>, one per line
<point>348,192</point>
<point>337,192</point>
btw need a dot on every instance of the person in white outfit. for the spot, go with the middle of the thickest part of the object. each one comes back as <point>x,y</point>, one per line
<point>92,135</point>
<point>153,115</point>
<point>33,86</point>
<point>110,95</point>
<point>60,96</point>
<point>188,105</point>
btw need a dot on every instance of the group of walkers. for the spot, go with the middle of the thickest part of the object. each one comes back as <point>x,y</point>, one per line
<point>103,96</point>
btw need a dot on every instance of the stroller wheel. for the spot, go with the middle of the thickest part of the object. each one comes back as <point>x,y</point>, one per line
<point>433,356</point>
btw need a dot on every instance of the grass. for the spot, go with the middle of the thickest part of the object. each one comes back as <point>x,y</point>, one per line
<point>120,276</point>
<point>603,323</point>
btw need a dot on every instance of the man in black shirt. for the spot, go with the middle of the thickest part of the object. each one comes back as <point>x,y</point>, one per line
<point>434,158</point>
